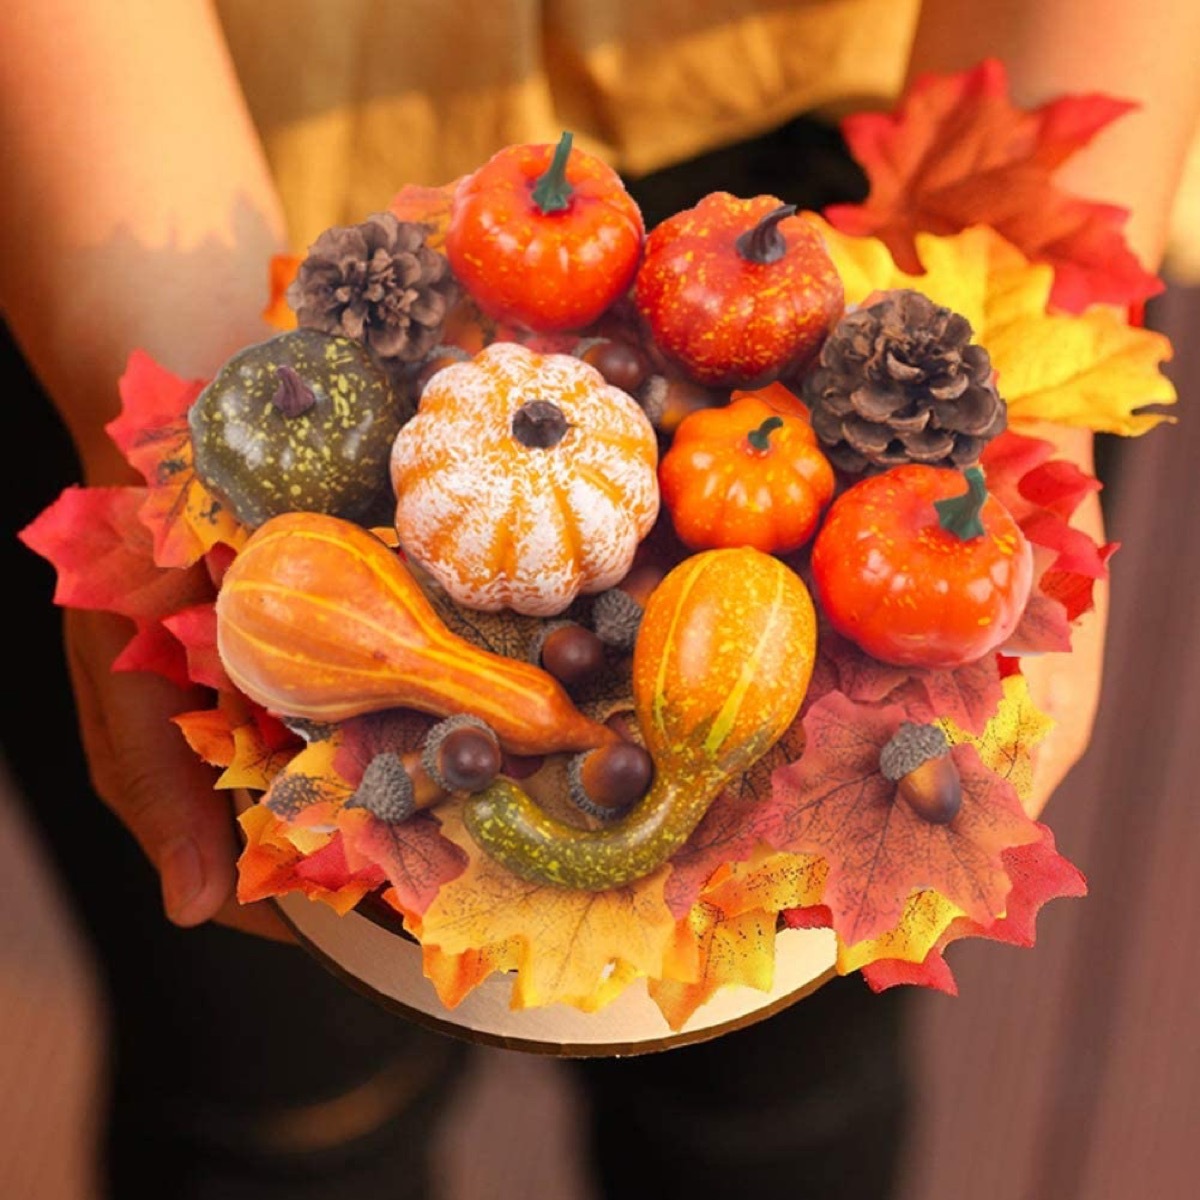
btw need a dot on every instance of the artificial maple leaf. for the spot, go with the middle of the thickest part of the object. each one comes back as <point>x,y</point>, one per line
<point>309,781</point>
<point>968,695</point>
<point>926,917</point>
<point>835,802</point>
<point>153,648</point>
<point>958,152</point>
<point>186,520</point>
<point>729,830</point>
<point>1092,370</point>
<point>196,630</point>
<point>209,732</point>
<point>1042,494</point>
<point>732,950</point>
<point>1006,746</point>
<point>569,939</point>
<point>270,865</point>
<point>1044,627</point>
<point>770,881</point>
<point>428,206</point>
<point>1039,874</point>
<point>413,856</point>
<point>278,312</point>
<point>103,555</point>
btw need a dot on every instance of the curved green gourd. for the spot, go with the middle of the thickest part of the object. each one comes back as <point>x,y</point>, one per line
<point>722,663</point>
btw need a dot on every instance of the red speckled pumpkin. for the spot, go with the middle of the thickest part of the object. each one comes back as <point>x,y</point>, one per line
<point>921,567</point>
<point>738,292</point>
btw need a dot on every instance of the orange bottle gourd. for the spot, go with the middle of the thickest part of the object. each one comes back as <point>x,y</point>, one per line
<point>318,619</point>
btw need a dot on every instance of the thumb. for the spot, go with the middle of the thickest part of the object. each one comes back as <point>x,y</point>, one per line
<point>145,772</point>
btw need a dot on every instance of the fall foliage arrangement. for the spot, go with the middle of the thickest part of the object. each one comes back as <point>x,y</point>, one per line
<point>595,604</point>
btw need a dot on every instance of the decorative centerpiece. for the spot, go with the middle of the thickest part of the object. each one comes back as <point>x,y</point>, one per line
<point>612,636</point>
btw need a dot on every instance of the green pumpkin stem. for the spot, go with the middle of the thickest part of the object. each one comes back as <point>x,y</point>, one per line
<point>764,243</point>
<point>552,192</point>
<point>960,514</point>
<point>760,438</point>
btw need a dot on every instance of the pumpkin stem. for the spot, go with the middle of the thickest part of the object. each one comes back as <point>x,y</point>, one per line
<point>552,192</point>
<point>960,514</point>
<point>764,243</point>
<point>293,397</point>
<point>539,425</point>
<point>760,438</point>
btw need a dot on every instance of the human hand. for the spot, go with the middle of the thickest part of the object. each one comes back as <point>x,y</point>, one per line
<point>147,775</point>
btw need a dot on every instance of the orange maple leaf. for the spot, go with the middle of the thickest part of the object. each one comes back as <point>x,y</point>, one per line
<point>1093,370</point>
<point>958,152</point>
<point>733,950</point>
<point>572,943</point>
<point>428,206</point>
<point>278,312</point>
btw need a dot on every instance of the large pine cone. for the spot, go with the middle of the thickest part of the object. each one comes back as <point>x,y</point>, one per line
<point>378,283</point>
<point>900,381</point>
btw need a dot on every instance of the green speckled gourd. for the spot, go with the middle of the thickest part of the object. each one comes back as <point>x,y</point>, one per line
<point>303,422</point>
<point>721,664</point>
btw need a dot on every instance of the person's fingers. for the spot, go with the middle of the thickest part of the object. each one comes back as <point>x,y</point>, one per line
<point>143,769</point>
<point>261,920</point>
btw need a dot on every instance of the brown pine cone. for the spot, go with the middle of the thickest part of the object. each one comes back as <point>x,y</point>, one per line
<point>377,282</point>
<point>900,381</point>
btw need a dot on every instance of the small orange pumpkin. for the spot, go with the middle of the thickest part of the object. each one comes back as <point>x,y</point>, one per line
<point>524,480</point>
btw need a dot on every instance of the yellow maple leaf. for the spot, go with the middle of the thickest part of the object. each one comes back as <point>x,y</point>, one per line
<point>575,947</point>
<point>1007,744</point>
<point>732,950</point>
<point>1092,369</point>
<point>927,915</point>
<point>768,880</point>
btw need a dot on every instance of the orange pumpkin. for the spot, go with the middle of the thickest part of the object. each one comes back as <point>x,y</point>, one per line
<point>748,474</point>
<point>524,480</point>
<point>318,619</point>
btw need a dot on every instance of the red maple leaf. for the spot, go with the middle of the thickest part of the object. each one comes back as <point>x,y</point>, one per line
<point>196,630</point>
<point>1039,874</point>
<point>967,695</point>
<point>835,802</point>
<point>413,855</point>
<point>958,152</point>
<point>1042,493</point>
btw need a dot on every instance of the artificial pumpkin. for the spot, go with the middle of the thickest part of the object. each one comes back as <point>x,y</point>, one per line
<point>302,421</point>
<point>748,474</point>
<point>738,292</point>
<point>318,619</point>
<point>524,480</point>
<point>546,237</point>
<point>721,665</point>
<point>921,567</point>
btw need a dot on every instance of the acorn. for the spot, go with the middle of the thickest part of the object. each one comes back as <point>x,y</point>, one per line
<point>570,652</point>
<point>917,760</point>
<point>623,365</point>
<point>461,754</point>
<point>604,783</point>
<point>667,399</point>
<point>617,613</point>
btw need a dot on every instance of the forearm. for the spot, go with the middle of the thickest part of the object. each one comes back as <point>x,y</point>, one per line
<point>137,207</point>
<point>1143,52</point>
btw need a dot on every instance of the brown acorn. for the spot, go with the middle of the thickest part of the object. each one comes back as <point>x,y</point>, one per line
<point>606,782</point>
<point>917,760</point>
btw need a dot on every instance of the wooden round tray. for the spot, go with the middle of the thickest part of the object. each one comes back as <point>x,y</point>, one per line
<point>386,966</point>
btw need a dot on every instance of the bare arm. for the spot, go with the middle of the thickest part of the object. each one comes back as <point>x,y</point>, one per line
<point>137,206</point>
<point>1145,52</point>
<point>137,211</point>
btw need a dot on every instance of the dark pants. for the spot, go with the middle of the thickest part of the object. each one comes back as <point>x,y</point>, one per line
<point>222,1044</point>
